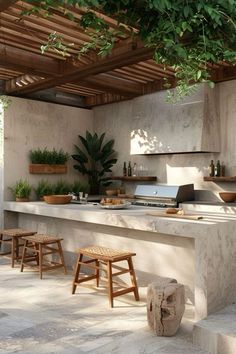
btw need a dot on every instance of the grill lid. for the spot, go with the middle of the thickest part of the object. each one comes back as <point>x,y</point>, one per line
<point>165,194</point>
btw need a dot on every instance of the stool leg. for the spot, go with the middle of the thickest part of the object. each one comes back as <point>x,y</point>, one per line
<point>110,284</point>
<point>13,251</point>
<point>77,270</point>
<point>97,272</point>
<point>40,261</point>
<point>1,236</point>
<point>17,249</point>
<point>133,278</point>
<point>23,255</point>
<point>61,256</point>
<point>36,247</point>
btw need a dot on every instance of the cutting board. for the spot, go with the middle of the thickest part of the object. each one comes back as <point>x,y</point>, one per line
<point>177,216</point>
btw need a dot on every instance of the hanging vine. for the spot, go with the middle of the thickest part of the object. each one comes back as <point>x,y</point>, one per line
<point>186,35</point>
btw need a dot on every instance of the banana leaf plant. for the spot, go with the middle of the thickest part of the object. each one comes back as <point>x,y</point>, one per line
<point>95,159</point>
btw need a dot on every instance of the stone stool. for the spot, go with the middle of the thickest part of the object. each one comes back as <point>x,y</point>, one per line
<point>38,246</point>
<point>165,307</point>
<point>102,255</point>
<point>12,237</point>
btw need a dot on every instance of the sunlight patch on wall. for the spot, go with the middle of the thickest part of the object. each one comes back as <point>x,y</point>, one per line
<point>181,174</point>
<point>142,142</point>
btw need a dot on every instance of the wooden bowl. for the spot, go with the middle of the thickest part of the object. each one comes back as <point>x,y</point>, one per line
<point>228,197</point>
<point>57,199</point>
<point>111,192</point>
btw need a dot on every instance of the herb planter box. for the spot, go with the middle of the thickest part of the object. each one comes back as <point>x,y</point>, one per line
<point>47,169</point>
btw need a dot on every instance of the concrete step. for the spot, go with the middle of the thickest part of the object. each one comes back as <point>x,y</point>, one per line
<point>217,333</point>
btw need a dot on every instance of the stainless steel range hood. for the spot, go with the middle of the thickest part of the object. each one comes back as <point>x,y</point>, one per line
<point>191,126</point>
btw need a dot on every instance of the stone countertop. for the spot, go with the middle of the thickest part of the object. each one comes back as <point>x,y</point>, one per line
<point>133,217</point>
<point>210,207</point>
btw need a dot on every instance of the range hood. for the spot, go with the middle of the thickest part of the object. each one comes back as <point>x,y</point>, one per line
<point>190,126</point>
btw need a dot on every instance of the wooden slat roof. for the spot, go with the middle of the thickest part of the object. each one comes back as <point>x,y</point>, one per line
<point>127,72</point>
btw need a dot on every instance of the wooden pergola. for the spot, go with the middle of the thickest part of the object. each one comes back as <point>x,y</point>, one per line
<point>129,71</point>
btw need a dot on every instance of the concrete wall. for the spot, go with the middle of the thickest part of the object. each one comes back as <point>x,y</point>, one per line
<point>115,119</point>
<point>1,164</point>
<point>32,124</point>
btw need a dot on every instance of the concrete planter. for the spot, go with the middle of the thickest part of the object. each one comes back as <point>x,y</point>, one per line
<point>47,169</point>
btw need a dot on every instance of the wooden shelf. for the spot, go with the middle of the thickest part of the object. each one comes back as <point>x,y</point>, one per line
<point>220,179</point>
<point>134,178</point>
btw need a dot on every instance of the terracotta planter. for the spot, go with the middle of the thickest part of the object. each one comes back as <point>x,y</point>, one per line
<point>47,169</point>
<point>22,199</point>
<point>57,199</point>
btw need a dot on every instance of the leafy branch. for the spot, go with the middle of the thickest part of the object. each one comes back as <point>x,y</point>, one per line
<point>186,35</point>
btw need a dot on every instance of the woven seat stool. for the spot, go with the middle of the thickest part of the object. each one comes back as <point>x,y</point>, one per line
<point>12,238</point>
<point>38,246</point>
<point>95,256</point>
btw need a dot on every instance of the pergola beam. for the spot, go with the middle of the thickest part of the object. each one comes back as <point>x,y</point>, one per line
<point>111,84</point>
<point>123,55</point>
<point>4,4</point>
<point>28,62</point>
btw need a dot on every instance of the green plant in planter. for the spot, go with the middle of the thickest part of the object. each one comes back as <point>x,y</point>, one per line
<point>51,157</point>
<point>95,159</point>
<point>43,188</point>
<point>21,190</point>
<point>79,186</point>
<point>61,187</point>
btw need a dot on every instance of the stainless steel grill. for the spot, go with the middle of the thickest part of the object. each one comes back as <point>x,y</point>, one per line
<point>163,196</point>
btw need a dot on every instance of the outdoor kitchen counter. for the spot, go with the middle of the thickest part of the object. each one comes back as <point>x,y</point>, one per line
<point>134,217</point>
<point>198,253</point>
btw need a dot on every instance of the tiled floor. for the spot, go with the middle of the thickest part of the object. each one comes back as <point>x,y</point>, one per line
<point>41,316</point>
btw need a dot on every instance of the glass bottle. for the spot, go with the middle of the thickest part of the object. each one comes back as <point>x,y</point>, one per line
<point>222,170</point>
<point>129,169</point>
<point>217,169</point>
<point>135,170</point>
<point>124,170</point>
<point>212,169</point>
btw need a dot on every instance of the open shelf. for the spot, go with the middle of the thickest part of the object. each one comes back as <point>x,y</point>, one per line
<point>134,178</point>
<point>221,179</point>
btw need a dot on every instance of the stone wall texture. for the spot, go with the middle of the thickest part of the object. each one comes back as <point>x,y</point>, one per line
<point>116,120</point>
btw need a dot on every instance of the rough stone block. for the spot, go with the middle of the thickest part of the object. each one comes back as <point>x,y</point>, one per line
<point>165,307</point>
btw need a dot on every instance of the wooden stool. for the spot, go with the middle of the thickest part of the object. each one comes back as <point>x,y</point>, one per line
<point>12,237</point>
<point>107,256</point>
<point>33,250</point>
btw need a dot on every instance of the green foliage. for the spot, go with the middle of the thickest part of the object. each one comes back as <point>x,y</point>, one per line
<point>46,156</point>
<point>79,186</point>
<point>61,187</point>
<point>5,102</point>
<point>43,188</point>
<point>184,34</point>
<point>21,189</point>
<point>94,159</point>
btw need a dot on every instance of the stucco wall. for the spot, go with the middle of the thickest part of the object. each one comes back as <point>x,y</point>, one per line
<point>173,169</point>
<point>1,164</point>
<point>30,125</point>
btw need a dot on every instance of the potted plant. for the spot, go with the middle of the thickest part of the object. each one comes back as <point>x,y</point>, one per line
<point>95,159</point>
<point>21,190</point>
<point>48,161</point>
<point>79,186</point>
<point>43,188</point>
<point>61,187</point>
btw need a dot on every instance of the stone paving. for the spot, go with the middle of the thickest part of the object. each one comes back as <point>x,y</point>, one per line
<point>41,316</point>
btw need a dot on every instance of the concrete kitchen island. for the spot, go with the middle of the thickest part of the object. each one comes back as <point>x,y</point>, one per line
<point>200,254</point>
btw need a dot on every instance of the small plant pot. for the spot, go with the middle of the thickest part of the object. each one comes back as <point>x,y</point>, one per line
<point>22,199</point>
